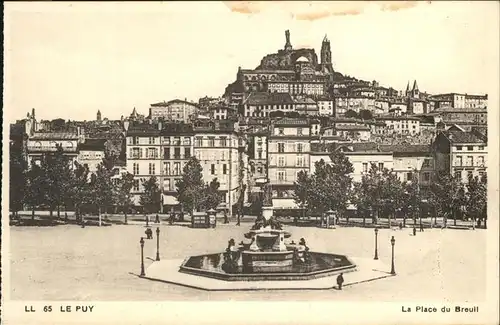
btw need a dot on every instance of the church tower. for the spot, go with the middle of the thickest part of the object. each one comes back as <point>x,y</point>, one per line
<point>326,56</point>
<point>98,115</point>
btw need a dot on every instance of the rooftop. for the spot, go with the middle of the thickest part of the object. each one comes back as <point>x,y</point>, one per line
<point>264,98</point>
<point>405,148</point>
<point>291,121</point>
<point>54,135</point>
<point>93,145</point>
<point>458,137</point>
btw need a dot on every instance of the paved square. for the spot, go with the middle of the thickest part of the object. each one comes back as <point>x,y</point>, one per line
<point>73,263</point>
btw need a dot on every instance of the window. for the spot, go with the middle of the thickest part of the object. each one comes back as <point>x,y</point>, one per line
<point>281,161</point>
<point>300,161</point>
<point>166,153</point>
<point>380,166</point>
<point>281,147</point>
<point>470,148</point>
<point>409,176</point>
<point>136,153</point>
<point>281,131</point>
<point>259,154</point>
<point>480,161</point>
<point>459,161</point>
<point>458,174</point>
<point>177,141</point>
<point>152,153</point>
<point>480,148</point>
<point>151,140</point>
<point>212,169</point>
<point>299,147</point>
<point>223,142</point>
<point>299,131</point>
<point>426,163</point>
<point>186,141</point>
<point>459,148</point>
<point>281,175</point>
<point>177,168</point>
<point>136,169</point>
<point>469,160</point>
<point>166,140</point>
<point>427,177</point>
<point>135,140</point>
<point>260,170</point>
<point>224,169</point>
<point>199,141</point>
<point>151,168</point>
<point>365,167</point>
<point>166,168</point>
<point>166,184</point>
<point>211,141</point>
<point>177,153</point>
<point>187,152</point>
<point>481,174</point>
<point>136,185</point>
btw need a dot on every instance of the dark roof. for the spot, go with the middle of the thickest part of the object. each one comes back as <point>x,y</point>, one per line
<point>291,122</point>
<point>262,98</point>
<point>143,130</point>
<point>54,135</point>
<point>161,104</point>
<point>352,127</point>
<point>17,130</point>
<point>456,136</point>
<point>176,128</point>
<point>93,144</point>
<point>405,148</point>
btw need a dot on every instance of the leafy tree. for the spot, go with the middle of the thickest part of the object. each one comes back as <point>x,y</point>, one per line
<point>476,198</point>
<point>151,198</point>
<point>80,192</point>
<point>36,182</point>
<point>212,197</point>
<point>102,189</point>
<point>351,114</point>
<point>365,114</point>
<point>412,199</point>
<point>58,173</point>
<point>17,181</point>
<point>190,186</point>
<point>447,195</point>
<point>302,190</point>
<point>124,197</point>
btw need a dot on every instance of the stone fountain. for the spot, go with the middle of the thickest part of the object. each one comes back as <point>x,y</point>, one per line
<point>266,255</point>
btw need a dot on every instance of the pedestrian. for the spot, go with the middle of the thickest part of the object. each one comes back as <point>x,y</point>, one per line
<point>414,231</point>
<point>157,218</point>
<point>149,233</point>
<point>340,281</point>
<point>421,227</point>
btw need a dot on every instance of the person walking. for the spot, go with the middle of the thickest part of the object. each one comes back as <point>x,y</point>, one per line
<point>340,281</point>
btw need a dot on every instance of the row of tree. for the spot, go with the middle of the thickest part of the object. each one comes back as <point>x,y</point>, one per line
<point>380,192</point>
<point>56,184</point>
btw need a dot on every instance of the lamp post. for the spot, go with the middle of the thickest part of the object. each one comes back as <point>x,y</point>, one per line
<point>142,257</point>
<point>158,243</point>
<point>376,244</point>
<point>393,241</point>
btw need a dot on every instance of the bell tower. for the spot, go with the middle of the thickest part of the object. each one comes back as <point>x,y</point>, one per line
<point>288,45</point>
<point>326,55</point>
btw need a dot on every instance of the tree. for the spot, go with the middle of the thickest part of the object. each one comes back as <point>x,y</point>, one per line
<point>365,114</point>
<point>446,195</point>
<point>17,181</point>
<point>212,197</point>
<point>476,198</point>
<point>151,198</point>
<point>36,182</point>
<point>412,199</point>
<point>190,186</point>
<point>57,169</point>
<point>102,188</point>
<point>351,114</point>
<point>80,193</point>
<point>124,197</point>
<point>302,189</point>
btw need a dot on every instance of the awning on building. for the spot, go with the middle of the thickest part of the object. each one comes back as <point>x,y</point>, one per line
<point>285,204</point>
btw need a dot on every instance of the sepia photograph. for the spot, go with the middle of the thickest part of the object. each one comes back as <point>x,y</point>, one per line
<point>252,155</point>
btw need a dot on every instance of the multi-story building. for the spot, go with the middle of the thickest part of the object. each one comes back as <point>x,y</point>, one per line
<point>461,153</point>
<point>459,101</point>
<point>467,116</point>
<point>326,106</point>
<point>288,153</point>
<point>174,110</point>
<point>412,162</point>
<point>91,153</point>
<point>41,143</point>
<point>361,155</point>
<point>344,103</point>
<point>407,125</point>
<point>216,146</point>
<point>262,104</point>
<point>306,106</point>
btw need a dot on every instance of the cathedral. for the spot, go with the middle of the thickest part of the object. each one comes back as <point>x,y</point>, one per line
<point>293,71</point>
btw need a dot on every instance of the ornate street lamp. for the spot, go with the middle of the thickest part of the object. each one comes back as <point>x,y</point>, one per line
<point>158,243</point>
<point>393,241</point>
<point>142,257</point>
<point>376,244</point>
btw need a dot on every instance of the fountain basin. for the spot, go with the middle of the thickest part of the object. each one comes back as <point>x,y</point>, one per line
<point>278,268</point>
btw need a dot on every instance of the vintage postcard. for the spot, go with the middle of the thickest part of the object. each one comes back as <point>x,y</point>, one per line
<point>250,162</point>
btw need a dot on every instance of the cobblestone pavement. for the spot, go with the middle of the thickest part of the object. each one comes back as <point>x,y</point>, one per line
<point>92,263</point>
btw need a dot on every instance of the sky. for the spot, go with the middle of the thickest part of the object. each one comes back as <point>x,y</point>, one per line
<point>69,60</point>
